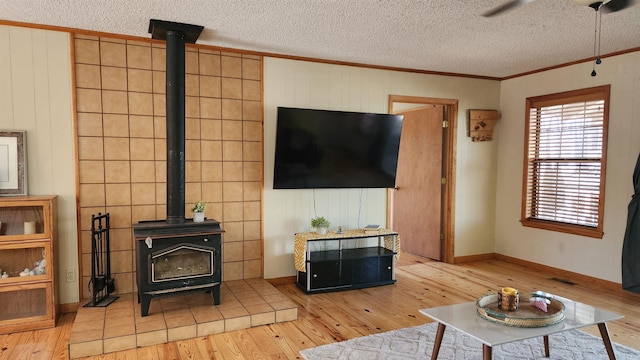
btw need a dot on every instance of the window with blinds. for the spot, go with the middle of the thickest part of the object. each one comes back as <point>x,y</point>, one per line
<point>565,161</point>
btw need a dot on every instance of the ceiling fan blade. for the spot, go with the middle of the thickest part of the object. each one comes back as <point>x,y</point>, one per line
<point>505,7</point>
<point>617,5</point>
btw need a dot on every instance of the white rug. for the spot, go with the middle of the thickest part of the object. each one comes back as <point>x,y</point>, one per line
<point>417,343</point>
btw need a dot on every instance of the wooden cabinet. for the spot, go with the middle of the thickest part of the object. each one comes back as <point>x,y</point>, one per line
<point>351,260</point>
<point>27,269</point>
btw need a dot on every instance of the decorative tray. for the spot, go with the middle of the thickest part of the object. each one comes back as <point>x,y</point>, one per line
<point>527,315</point>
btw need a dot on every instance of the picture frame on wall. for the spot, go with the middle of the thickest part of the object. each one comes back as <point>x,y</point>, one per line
<point>13,163</point>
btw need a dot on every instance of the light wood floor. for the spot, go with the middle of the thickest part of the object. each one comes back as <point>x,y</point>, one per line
<point>337,316</point>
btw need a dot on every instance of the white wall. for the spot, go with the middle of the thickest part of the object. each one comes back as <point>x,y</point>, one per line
<point>600,258</point>
<point>35,95</point>
<point>336,87</point>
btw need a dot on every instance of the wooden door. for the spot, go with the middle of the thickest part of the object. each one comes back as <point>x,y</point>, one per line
<point>417,202</point>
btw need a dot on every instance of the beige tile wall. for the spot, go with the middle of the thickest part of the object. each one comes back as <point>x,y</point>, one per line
<point>120,87</point>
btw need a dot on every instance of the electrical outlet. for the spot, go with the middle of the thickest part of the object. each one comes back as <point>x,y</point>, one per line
<point>71,275</point>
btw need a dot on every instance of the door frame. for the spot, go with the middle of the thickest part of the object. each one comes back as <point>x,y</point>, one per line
<point>448,204</point>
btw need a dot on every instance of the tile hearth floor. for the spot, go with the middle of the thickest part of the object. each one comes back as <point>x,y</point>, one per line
<point>119,326</point>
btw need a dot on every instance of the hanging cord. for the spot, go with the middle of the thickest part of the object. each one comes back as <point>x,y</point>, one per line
<point>599,15</point>
<point>359,207</point>
<point>596,39</point>
<point>315,213</point>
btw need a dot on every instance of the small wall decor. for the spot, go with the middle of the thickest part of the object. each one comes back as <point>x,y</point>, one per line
<point>13,163</point>
<point>481,123</point>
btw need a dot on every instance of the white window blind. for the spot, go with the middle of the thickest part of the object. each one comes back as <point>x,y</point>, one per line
<point>564,159</point>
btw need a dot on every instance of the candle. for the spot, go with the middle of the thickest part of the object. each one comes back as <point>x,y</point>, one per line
<point>29,227</point>
<point>509,291</point>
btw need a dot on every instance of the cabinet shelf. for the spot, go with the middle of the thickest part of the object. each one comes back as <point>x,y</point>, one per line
<point>347,261</point>
<point>349,254</point>
<point>27,281</point>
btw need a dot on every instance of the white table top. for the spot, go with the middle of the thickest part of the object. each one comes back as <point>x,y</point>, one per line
<point>464,317</point>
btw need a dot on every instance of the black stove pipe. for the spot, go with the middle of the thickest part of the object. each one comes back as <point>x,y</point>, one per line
<point>176,35</point>
<point>175,127</point>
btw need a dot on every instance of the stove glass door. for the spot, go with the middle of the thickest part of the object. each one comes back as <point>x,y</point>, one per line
<point>182,262</point>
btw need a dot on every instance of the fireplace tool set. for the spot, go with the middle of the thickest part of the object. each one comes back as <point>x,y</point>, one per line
<point>101,284</point>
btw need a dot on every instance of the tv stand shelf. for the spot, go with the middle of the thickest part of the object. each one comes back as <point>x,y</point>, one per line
<point>351,260</point>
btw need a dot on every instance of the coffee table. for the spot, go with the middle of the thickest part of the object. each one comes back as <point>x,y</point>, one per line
<point>464,318</point>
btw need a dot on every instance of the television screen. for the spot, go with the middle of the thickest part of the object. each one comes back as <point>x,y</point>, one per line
<point>335,149</point>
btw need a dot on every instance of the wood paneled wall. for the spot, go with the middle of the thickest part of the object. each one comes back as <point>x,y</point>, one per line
<point>35,96</point>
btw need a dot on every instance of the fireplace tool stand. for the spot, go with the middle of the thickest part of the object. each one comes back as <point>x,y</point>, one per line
<point>101,283</point>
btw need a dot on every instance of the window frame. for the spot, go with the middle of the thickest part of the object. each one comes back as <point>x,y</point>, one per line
<point>563,98</point>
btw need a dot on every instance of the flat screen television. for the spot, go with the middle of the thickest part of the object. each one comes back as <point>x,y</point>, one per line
<point>318,149</point>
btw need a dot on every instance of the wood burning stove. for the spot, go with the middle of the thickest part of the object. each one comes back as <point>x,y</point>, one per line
<point>177,258</point>
<point>176,255</point>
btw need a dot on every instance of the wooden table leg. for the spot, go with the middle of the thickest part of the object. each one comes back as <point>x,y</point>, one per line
<point>486,352</point>
<point>438,341</point>
<point>546,346</point>
<point>607,341</point>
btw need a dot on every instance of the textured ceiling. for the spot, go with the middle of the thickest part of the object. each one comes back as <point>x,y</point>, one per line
<point>433,35</point>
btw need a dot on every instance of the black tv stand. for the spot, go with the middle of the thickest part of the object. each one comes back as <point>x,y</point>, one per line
<point>351,260</point>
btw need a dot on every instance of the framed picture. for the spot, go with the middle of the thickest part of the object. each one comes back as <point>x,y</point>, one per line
<point>13,163</point>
